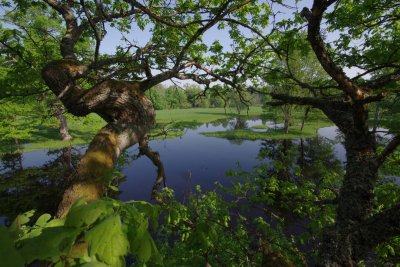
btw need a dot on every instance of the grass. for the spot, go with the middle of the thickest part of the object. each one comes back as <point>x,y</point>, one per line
<point>170,121</point>
<point>201,115</point>
<point>259,127</point>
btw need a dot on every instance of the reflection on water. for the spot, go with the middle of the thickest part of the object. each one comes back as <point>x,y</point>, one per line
<point>36,180</point>
<point>25,186</point>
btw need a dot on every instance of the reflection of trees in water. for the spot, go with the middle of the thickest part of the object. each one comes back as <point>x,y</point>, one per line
<point>298,163</point>
<point>38,187</point>
<point>236,141</point>
<point>317,158</point>
<point>238,123</point>
<point>41,187</point>
<point>313,157</point>
<point>11,161</point>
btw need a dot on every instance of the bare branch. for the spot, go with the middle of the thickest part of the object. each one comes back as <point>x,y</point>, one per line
<point>93,26</point>
<point>257,32</point>
<point>384,80</point>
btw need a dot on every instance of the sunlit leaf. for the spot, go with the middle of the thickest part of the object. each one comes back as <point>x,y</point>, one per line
<point>107,241</point>
<point>50,244</point>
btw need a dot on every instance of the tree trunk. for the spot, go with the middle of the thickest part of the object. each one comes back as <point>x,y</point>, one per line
<point>286,118</point>
<point>377,118</point>
<point>63,126</point>
<point>356,199</point>
<point>355,203</point>
<point>130,116</point>
<point>308,108</point>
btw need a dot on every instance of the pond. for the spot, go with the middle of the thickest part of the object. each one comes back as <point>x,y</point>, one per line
<point>35,180</point>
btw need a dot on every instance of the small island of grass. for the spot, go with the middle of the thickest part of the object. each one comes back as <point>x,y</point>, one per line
<point>310,129</point>
<point>259,127</point>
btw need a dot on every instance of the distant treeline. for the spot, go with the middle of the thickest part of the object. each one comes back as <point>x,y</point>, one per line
<point>193,96</point>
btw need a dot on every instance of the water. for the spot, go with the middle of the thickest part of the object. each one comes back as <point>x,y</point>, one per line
<point>189,160</point>
<point>36,180</point>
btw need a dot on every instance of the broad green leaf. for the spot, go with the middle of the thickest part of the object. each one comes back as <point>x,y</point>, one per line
<point>107,241</point>
<point>43,219</point>
<point>21,220</point>
<point>85,215</point>
<point>49,245</point>
<point>144,252</point>
<point>9,256</point>
<point>55,222</point>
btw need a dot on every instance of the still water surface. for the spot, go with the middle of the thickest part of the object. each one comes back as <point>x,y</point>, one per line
<point>189,160</point>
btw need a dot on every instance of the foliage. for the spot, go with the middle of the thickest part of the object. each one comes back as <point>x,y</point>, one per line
<point>29,38</point>
<point>99,232</point>
<point>13,121</point>
<point>203,233</point>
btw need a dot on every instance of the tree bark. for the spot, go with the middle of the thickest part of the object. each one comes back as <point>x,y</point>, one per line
<point>63,126</point>
<point>129,113</point>
<point>303,122</point>
<point>356,198</point>
<point>286,109</point>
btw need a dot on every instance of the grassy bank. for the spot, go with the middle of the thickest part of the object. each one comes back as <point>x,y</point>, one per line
<point>83,129</point>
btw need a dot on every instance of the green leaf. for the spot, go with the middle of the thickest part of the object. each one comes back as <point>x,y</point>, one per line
<point>107,241</point>
<point>114,188</point>
<point>21,220</point>
<point>55,222</point>
<point>9,256</point>
<point>85,215</point>
<point>49,245</point>
<point>144,251</point>
<point>43,219</point>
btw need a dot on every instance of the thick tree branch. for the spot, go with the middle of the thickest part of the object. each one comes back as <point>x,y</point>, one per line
<point>286,99</point>
<point>380,67</point>
<point>384,80</point>
<point>314,18</point>
<point>72,33</point>
<point>389,149</point>
<point>155,158</point>
<point>216,76</point>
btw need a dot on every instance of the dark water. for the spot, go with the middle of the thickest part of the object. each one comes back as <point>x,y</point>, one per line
<point>35,180</point>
